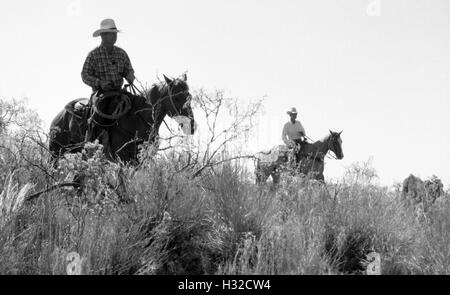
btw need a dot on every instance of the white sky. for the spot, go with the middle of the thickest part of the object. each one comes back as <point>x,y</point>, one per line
<point>377,69</point>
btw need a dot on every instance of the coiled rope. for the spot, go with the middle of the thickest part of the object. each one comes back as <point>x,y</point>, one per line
<point>122,107</point>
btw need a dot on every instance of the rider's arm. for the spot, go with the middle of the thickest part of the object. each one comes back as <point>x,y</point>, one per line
<point>284,135</point>
<point>87,74</point>
<point>128,69</point>
<point>301,129</point>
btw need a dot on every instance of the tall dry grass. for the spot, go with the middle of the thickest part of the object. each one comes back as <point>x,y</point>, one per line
<point>219,223</point>
<point>156,219</point>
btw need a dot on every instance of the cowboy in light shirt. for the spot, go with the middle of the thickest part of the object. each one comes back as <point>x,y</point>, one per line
<point>293,131</point>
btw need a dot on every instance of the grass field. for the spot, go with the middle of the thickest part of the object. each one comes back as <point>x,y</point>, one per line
<point>156,219</point>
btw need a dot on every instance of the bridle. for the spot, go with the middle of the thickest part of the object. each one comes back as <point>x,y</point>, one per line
<point>330,146</point>
<point>171,95</point>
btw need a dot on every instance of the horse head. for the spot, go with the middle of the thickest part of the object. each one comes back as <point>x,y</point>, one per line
<point>335,144</point>
<point>169,97</point>
<point>174,99</point>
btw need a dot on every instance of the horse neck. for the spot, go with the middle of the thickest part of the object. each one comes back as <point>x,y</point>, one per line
<point>157,93</point>
<point>321,146</point>
<point>149,109</point>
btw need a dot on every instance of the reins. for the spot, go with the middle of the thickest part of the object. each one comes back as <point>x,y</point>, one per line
<point>135,90</point>
<point>328,154</point>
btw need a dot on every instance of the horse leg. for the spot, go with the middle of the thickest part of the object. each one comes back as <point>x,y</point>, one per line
<point>261,174</point>
<point>317,169</point>
<point>319,173</point>
<point>106,144</point>
<point>321,178</point>
<point>261,177</point>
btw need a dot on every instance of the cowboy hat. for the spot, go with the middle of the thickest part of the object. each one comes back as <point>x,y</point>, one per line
<point>106,26</point>
<point>292,111</point>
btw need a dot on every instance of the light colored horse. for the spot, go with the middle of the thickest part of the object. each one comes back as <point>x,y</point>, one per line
<point>309,159</point>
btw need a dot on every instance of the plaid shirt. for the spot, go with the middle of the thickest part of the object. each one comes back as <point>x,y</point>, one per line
<point>102,66</point>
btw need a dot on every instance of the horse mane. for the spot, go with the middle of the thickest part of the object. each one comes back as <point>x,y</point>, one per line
<point>160,89</point>
<point>325,138</point>
<point>139,101</point>
<point>154,94</point>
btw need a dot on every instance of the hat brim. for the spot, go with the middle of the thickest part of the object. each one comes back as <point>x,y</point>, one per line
<point>98,32</point>
<point>288,112</point>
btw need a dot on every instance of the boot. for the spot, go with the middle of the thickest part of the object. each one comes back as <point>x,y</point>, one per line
<point>90,133</point>
<point>104,140</point>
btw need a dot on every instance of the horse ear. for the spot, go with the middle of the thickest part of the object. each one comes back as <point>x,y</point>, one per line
<point>168,81</point>
<point>331,132</point>
<point>184,77</point>
<point>340,132</point>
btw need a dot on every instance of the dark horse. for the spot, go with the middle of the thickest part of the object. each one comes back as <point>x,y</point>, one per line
<point>309,159</point>
<point>140,123</point>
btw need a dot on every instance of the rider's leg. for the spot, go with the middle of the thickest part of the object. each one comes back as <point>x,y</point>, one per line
<point>90,125</point>
<point>97,125</point>
<point>104,138</point>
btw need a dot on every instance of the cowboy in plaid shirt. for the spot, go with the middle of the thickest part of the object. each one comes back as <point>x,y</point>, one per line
<point>104,70</point>
<point>107,65</point>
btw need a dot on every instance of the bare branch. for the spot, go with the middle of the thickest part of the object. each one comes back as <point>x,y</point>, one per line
<point>56,186</point>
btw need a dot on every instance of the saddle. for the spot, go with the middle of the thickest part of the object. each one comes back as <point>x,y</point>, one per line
<point>89,113</point>
<point>79,109</point>
<point>278,153</point>
<point>81,106</point>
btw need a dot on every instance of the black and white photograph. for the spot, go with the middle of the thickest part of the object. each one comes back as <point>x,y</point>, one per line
<point>224,144</point>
